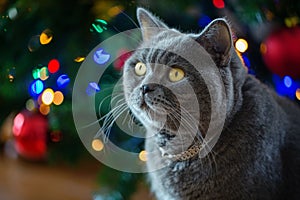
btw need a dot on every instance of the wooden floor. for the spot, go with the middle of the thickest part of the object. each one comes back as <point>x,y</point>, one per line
<point>20,180</point>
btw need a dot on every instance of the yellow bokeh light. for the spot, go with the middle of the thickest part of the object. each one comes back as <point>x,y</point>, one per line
<point>263,48</point>
<point>47,96</point>
<point>44,74</point>
<point>241,45</point>
<point>30,105</point>
<point>143,155</point>
<point>44,109</point>
<point>79,59</point>
<point>115,10</point>
<point>58,98</point>
<point>97,145</point>
<point>298,94</point>
<point>46,37</point>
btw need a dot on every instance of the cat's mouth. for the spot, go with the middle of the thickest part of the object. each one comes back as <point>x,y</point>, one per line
<point>148,105</point>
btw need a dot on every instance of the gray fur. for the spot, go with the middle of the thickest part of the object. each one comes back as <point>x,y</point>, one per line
<point>258,153</point>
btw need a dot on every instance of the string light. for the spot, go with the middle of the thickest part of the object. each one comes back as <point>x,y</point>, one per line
<point>143,156</point>
<point>115,11</point>
<point>37,87</point>
<point>99,26</point>
<point>287,81</point>
<point>44,109</point>
<point>30,105</point>
<point>219,3</point>
<point>100,57</point>
<point>44,74</point>
<point>263,48</point>
<point>62,81</point>
<point>47,96</point>
<point>53,66</point>
<point>92,88</point>
<point>241,45</point>
<point>46,37</point>
<point>79,59</point>
<point>36,73</point>
<point>34,43</point>
<point>12,13</point>
<point>204,21</point>
<point>56,136</point>
<point>97,145</point>
<point>11,77</point>
<point>58,98</point>
<point>18,124</point>
<point>298,94</point>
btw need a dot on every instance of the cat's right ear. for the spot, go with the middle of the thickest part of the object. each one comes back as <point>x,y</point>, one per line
<point>149,24</point>
<point>216,38</point>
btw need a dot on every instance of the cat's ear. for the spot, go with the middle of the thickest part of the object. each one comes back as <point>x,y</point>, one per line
<point>149,24</point>
<point>216,38</point>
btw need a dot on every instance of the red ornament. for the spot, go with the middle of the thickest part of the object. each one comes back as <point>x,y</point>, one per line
<point>281,52</point>
<point>219,3</point>
<point>53,66</point>
<point>30,132</point>
<point>123,55</point>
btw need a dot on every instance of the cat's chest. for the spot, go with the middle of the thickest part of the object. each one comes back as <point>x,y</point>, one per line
<point>185,180</point>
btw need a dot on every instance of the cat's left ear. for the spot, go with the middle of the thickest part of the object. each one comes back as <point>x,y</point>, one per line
<point>216,38</point>
<point>149,24</point>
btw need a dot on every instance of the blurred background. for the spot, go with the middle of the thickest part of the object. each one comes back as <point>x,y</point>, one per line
<point>42,45</point>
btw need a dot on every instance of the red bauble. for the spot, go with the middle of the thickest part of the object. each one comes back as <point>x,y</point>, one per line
<point>123,55</point>
<point>282,52</point>
<point>30,131</point>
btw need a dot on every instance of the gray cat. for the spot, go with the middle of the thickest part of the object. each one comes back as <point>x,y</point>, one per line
<point>172,86</point>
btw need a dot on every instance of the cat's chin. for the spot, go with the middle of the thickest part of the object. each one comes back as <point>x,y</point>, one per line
<point>149,118</point>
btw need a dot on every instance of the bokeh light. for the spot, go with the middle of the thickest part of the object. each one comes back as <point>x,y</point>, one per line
<point>79,59</point>
<point>62,81</point>
<point>241,45</point>
<point>12,13</point>
<point>37,87</point>
<point>34,43</point>
<point>47,96</point>
<point>44,109</point>
<point>44,74</point>
<point>58,98</point>
<point>36,73</point>
<point>10,77</point>
<point>219,3</point>
<point>143,156</point>
<point>92,88</point>
<point>287,81</point>
<point>115,11</point>
<point>263,48</point>
<point>99,26</point>
<point>46,37</point>
<point>298,94</point>
<point>204,20</point>
<point>18,124</point>
<point>100,57</point>
<point>53,66</point>
<point>30,105</point>
<point>97,145</point>
<point>56,136</point>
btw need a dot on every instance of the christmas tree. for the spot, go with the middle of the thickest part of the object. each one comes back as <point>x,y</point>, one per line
<point>44,43</point>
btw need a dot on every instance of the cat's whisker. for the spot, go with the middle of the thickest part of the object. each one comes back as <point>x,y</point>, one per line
<point>110,119</point>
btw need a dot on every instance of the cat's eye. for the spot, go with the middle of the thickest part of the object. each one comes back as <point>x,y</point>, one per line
<point>140,69</point>
<point>176,74</point>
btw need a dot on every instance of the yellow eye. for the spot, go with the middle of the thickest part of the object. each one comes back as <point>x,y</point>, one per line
<point>140,69</point>
<point>176,74</point>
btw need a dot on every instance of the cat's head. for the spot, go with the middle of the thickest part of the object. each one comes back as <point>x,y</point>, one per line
<point>174,82</point>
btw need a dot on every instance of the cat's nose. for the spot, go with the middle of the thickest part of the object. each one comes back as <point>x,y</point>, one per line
<point>147,88</point>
